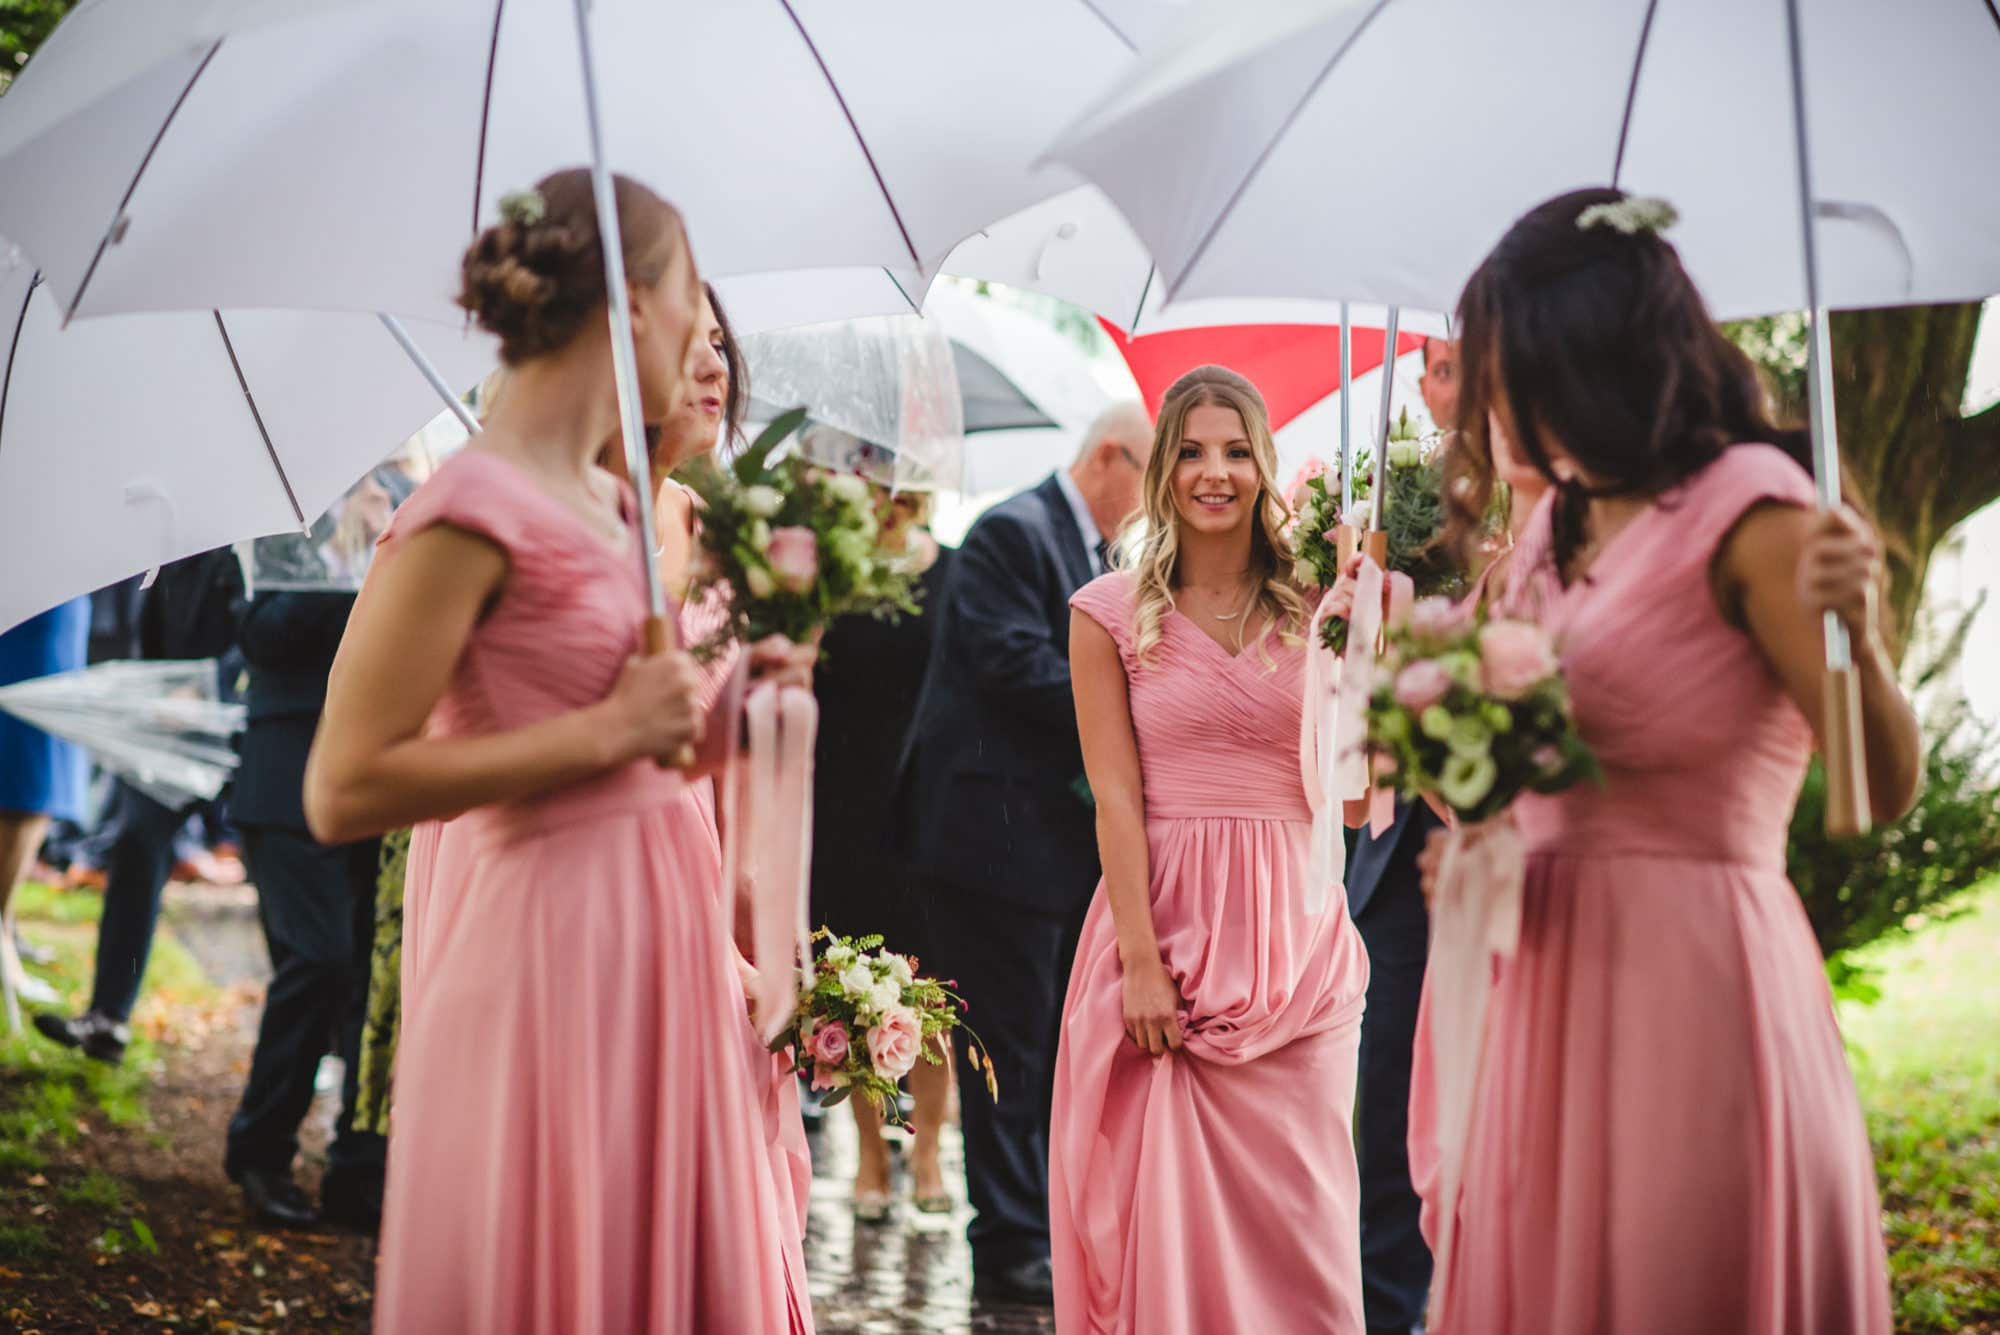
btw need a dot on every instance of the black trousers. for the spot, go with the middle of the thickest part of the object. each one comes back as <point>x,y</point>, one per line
<point>1395,1262</point>
<point>137,864</point>
<point>1012,967</point>
<point>317,905</point>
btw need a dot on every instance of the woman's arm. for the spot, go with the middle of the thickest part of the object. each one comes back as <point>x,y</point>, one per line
<point>372,769</point>
<point>1111,762</point>
<point>1776,574</point>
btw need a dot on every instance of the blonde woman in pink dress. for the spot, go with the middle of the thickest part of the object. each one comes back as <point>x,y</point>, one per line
<point>1201,1160</point>
<point>578,1143</point>
<point>1664,1134</point>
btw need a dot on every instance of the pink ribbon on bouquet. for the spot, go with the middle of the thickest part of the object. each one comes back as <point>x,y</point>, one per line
<point>773,821</point>
<point>1318,757</point>
<point>1475,912</point>
<point>1357,683</point>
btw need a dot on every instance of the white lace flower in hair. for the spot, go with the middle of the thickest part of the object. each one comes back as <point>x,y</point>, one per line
<point>525,207</point>
<point>1631,215</point>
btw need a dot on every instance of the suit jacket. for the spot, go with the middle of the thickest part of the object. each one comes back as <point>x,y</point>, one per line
<point>991,791</point>
<point>289,640</point>
<point>1380,868</point>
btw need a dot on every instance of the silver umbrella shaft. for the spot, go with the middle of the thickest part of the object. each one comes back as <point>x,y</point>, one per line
<point>1378,504</point>
<point>1346,412</point>
<point>430,372</point>
<point>624,356</point>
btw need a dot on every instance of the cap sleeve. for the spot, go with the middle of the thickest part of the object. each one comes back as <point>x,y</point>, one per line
<point>1108,600</point>
<point>472,491</point>
<point>1742,478</point>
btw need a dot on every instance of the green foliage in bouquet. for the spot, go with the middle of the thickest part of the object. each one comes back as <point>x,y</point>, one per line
<point>865,1020</point>
<point>1415,520</point>
<point>795,545</point>
<point>1475,712</point>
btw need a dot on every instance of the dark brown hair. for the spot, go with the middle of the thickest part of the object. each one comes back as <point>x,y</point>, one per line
<point>738,400</point>
<point>1598,339</point>
<point>536,277</point>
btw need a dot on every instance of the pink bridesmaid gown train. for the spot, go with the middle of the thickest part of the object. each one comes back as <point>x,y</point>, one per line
<point>1665,1136</point>
<point>1215,1189</point>
<point>581,1137</point>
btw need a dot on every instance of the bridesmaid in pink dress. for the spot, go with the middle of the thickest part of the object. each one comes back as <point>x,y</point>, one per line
<point>1201,1157</point>
<point>1664,1133</point>
<point>577,1134</point>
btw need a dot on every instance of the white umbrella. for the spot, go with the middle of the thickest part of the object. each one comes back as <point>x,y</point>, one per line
<point>132,441</point>
<point>1374,151</point>
<point>344,158</point>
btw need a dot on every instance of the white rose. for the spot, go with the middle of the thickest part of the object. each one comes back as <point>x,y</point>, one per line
<point>1466,780</point>
<point>839,956</point>
<point>758,535</point>
<point>761,502</point>
<point>885,994</point>
<point>759,580</point>
<point>1363,516</point>
<point>1405,454</point>
<point>849,487</point>
<point>1303,573</point>
<point>857,981</point>
<point>899,969</point>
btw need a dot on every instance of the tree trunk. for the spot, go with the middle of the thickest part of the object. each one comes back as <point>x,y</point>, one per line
<point>1899,385</point>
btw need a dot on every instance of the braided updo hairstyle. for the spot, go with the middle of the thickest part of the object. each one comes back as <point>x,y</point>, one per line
<point>537,276</point>
<point>1596,337</point>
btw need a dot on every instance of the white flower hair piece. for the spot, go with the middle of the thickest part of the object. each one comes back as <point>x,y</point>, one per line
<point>525,207</point>
<point>1631,215</point>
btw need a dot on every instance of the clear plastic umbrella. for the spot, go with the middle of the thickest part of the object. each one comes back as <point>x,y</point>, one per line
<point>158,726</point>
<point>882,393</point>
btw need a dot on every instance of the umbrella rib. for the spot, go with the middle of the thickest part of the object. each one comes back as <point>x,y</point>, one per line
<point>901,291</point>
<point>1271,145</point>
<point>1993,8</point>
<point>1105,19</point>
<point>485,112</point>
<point>854,125</point>
<point>1144,292</point>
<point>13,347</point>
<point>277,464</point>
<point>1632,92</point>
<point>117,218</point>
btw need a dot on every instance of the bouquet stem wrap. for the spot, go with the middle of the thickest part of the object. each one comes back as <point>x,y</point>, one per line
<point>776,828</point>
<point>1475,913</point>
<point>1319,759</point>
<point>1357,683</point>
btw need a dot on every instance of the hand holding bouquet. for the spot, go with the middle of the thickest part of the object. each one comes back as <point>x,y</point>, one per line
<point>867,1018</point>
<point>794,545</point>
<point>1474,711</point>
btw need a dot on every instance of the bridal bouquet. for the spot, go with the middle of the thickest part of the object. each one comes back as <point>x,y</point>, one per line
<point>1413,521</point>
<point>1475,711</point>
<point>866,1018</point>
<point>792,545</point>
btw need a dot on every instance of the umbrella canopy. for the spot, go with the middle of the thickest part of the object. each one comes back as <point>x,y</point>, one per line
<point>1293,366</point>
<point>158,726</point>
<point>1215,146</point>
<point>129,442</point>
<point>180,156</point>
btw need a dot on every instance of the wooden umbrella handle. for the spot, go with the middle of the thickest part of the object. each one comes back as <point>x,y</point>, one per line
<point>1346,542</point>
<point>1378,547</point>
<point>1847,808</point>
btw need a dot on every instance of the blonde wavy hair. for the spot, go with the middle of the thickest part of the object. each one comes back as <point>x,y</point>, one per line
<point>1154,554</point>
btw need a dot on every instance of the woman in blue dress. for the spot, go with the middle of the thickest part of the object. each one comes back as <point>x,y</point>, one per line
<point>41,778</point>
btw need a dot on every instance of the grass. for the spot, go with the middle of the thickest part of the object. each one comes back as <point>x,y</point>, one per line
<point>1927,1063</point>
<point>45,1090</point>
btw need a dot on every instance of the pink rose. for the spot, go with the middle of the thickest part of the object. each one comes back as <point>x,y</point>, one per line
<point>1332,537</point>
<point>794,557</point>
<point>829,1043</point>
<point>1436,619</point>
<point>826,1077</point>
<point>1515,658</point>
<point>894,1041</point>
<point>1421,685</point>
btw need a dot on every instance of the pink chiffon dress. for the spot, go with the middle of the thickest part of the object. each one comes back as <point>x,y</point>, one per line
<point>1664,1132</point>
<point>1214,1189</point>
<point>580,1139</point>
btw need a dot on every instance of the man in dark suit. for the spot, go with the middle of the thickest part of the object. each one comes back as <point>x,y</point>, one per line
<point>997,820</point>
<point>1386,902</point>
<point>317,905</point>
